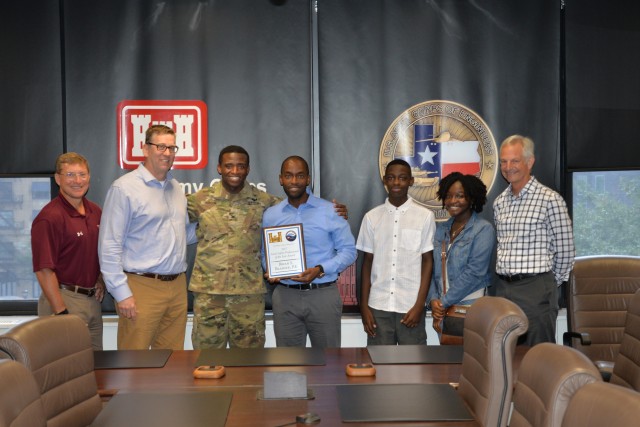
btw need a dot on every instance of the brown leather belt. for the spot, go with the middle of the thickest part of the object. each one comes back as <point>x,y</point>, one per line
<point>163,277</point>
<point>78,289</point>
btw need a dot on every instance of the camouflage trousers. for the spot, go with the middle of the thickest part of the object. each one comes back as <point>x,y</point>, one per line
<point>234,319</point>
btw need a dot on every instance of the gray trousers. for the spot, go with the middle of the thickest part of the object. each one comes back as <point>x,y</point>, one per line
<point>316,312</point>
<point>391,332</point>
<point>538,298</point>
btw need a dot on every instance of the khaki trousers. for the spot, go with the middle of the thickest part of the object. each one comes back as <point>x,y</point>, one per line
<point>87,308</point>
<point>161,318</point>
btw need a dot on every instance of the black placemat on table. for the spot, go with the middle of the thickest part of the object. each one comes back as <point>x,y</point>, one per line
<point>401,402</point>
<point>124,359</point>
<point>159,409</point>
<point>407,354</point>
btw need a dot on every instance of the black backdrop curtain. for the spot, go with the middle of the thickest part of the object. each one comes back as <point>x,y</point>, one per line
<point>603,84</point>
<point>499,58</point>
<point>249,60</point>
<point>31,102</point>
<point>68,63</point>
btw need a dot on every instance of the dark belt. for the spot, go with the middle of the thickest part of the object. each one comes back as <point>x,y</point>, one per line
<point>309,286</point>
<point>517,277</point>
<point>78,289</point>
<point>163,277</point>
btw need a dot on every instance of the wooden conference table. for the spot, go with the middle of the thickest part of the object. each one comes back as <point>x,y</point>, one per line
<point>245,383</point>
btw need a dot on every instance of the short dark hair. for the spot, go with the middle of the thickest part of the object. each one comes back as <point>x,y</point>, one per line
<point>398,162</point>
<point>232,149</point>
<point>306,165</point>
<point>157,130</point>
<point>474,189</point>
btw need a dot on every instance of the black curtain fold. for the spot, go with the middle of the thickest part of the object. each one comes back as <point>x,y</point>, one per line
<point>603,84</point>
<point>30,87</point>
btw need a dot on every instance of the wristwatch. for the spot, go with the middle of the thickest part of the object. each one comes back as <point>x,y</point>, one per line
<point>321,275</point>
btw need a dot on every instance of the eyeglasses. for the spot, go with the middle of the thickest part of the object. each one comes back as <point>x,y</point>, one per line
<point>72,175</point>
<point>162,148</point>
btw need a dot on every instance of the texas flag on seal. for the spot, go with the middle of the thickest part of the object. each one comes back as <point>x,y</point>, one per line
<point>439,156</point>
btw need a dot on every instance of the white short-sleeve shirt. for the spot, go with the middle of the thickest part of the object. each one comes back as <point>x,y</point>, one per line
<point>397,237</point>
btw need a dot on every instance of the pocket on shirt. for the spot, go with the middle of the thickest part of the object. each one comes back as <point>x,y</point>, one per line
<point>410,239</point>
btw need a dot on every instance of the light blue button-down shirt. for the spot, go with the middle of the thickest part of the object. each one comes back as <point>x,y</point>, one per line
<point>328,240</point>
<point>144,229</point>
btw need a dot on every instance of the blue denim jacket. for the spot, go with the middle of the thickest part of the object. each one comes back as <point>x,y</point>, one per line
<point>468,260</point>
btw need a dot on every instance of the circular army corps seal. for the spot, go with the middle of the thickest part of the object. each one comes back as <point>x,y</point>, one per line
<point>437,138</point>
<point>291,236</point>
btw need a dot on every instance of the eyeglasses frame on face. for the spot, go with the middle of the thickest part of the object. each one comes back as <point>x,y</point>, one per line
<point>162,148</point>
<point>72,175</point>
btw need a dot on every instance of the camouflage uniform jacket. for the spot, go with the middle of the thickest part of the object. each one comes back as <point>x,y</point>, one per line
<point>229,240</point>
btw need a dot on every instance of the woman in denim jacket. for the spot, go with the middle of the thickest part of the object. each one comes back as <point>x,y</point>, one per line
<point>467,240</point>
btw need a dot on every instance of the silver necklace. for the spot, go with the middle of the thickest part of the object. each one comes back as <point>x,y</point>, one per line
<point>456,232</point>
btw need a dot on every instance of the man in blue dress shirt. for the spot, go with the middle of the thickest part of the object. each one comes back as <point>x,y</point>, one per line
<point>309,303</point>
<point>142,248</point>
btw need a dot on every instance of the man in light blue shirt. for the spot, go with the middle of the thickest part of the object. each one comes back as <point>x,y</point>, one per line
<point>310,302</point>
<point>142,248</point>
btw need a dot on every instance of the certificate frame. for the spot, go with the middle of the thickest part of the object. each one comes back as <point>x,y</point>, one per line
<point>284,250</point>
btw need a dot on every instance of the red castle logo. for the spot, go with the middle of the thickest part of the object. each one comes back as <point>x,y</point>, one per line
<point>187,118</point>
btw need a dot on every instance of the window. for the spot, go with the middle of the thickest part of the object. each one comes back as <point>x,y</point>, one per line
<point>6,220</point>
<point>600,184</point>
<point>20,201</point>
<point>41,190</point>
<point>605,208</point>
<point>7,251</point>
<point>6,191</point>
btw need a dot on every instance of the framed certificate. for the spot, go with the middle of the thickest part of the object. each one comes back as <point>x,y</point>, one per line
<point>284,250</point>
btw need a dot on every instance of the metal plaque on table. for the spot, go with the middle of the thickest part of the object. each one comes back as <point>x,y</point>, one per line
<point>284,250</point>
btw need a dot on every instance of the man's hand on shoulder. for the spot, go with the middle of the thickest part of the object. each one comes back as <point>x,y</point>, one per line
<point>341,209</point>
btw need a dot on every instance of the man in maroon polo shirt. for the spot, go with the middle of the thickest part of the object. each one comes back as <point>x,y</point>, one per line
<point>64,246</point>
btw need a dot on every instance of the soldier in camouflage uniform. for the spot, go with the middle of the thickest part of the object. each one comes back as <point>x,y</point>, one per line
<point>227,280</point>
